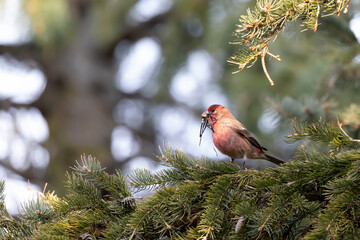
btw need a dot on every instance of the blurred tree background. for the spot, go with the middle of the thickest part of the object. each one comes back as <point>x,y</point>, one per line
<point>119,78</point>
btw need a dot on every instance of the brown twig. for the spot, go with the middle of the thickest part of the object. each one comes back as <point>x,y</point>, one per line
<point>340,126</point>
<point>263,54</point>
<point>317,18</point>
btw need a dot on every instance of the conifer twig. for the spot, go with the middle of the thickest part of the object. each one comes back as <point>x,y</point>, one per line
<point>133,233</point>
<point>317,18</point>
<point>266,220</point>
<point>340,126</point>
<point>71,209</point>
<point>277,57</point>
<point>328,228</point>
<point>163,157</point>
<point>207,169</point>
<point>263,54</point>
<point>346,7</point>
<point>168,226</point>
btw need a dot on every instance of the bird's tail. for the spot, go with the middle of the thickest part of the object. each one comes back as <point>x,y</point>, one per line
<point>274,159</point>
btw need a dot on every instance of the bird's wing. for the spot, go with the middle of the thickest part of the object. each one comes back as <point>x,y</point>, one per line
<point>245,134</point>
<point>241,130</point>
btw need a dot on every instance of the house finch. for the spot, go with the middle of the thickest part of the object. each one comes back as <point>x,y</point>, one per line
<point>231,137</point>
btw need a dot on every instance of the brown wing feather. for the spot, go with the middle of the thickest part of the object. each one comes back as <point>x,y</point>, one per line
<point>245,134</point>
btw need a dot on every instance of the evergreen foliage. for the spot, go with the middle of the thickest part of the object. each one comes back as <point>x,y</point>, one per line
<point>263,24</point>
<point>9,227</point>
<point>314,196</point>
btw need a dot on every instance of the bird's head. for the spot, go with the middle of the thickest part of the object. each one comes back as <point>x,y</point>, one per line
<point>215,111</point>
<point>211,116</point>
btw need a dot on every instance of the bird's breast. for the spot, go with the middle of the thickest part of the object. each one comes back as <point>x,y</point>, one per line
<point>229,143</point>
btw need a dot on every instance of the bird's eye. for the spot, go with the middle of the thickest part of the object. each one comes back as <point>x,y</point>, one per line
<point>212,111</point>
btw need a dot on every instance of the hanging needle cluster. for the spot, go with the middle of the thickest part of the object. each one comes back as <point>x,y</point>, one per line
<point>263,24</point>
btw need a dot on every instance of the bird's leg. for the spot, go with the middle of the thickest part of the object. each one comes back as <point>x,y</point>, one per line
<point>232,160</point>
<point>243,166</point>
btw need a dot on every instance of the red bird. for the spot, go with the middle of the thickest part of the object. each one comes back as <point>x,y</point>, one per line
<point>231,137</point>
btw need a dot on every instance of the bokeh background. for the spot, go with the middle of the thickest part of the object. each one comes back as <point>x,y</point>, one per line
<point>119,78</point>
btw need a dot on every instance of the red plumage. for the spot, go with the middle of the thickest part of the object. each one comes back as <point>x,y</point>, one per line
<point>232,138</point>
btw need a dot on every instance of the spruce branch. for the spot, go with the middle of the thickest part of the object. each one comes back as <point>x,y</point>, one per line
<point>91,170</point>
<point>268,18</point>
<point>217,200</point>
<point>314,196</point>
<point>143,179</point>
<point>207,169</point>
<point>324,132</point>
<point>150,205</point>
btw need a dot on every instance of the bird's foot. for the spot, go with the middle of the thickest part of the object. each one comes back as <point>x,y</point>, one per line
<point>243,166</point>
<point>244,169</point>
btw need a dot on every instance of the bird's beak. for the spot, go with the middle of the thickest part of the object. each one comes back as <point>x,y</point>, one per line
<point>205,115</point>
